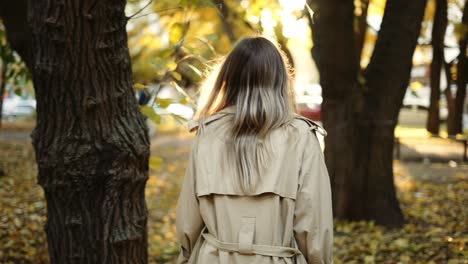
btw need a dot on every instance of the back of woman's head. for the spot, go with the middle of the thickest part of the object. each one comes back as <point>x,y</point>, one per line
<point>255,78</point>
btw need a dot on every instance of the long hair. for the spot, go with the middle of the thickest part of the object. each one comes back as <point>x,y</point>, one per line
<point>255,78</point>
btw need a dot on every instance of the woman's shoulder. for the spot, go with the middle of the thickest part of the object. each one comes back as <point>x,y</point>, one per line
<point>305,124</point>
<point>195,124</point>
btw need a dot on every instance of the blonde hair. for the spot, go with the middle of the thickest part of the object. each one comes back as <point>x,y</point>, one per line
<point>255,77</point>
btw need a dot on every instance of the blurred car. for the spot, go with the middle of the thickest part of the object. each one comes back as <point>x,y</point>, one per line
<point>310,110</point>
<point>420,99</point>
<point>16,106</point>
<point>417,98</point>
<point>309,103</point>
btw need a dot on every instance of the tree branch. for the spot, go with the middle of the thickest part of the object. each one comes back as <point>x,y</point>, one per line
<point>139,11</point>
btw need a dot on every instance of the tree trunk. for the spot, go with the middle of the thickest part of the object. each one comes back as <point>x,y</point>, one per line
<point>361,122</point>
<point>450,97</point>
<point>462,80</point>
<point>91,141</point>
<point>2,91</point>
<point>14,17</point>
<point>332,31</point>
<point>438,60</point>
<point>387,77</point>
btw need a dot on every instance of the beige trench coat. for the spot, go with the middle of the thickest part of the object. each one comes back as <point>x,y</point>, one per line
<point>287,219</point>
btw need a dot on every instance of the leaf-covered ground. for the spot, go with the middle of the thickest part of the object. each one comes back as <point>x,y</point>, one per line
<point>434,198</point>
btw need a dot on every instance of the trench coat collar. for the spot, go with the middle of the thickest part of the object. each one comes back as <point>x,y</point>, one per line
<point>193,124</point>
<point>228,110</point>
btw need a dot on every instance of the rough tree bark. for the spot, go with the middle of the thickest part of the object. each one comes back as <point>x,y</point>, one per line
<point>387,76</point>
<point>438,61</point>
<point>91,141</point>
<point>336,59</point>
<point>361,122</point>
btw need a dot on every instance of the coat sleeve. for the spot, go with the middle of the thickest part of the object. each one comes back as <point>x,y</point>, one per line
<point>313,219</point>
<point>189,222</point>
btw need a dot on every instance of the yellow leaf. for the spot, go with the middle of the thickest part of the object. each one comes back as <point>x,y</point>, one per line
<point>170,65</point>
<point>176,76</point>
<point>155,163</point>
<point>139,86</point>
<point>176,33</point>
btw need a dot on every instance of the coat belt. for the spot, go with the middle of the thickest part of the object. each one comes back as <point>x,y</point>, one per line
<point>265,250</point>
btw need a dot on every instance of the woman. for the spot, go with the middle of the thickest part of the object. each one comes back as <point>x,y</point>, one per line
<point>256,189</point>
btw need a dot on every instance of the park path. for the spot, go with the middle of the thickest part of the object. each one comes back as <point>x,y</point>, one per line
<point>412,149</point>
<point>6,135</point>
<point>427,159</point>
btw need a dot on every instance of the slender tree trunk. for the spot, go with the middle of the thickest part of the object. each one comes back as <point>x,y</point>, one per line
<point>462,79</point>
<point>438,60</point>
<point>332,31</point>
<point>2,91</point>
<point>450,97</point>
<point>90,141</point>
<point>361,122</point>
<point>14,18</point>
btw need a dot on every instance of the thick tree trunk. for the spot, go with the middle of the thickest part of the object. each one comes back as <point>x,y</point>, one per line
<point>387,77</point>
<point>91,141</point>
<point>332,31</point>
<point>361,122</point>
<point>438,34</point>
